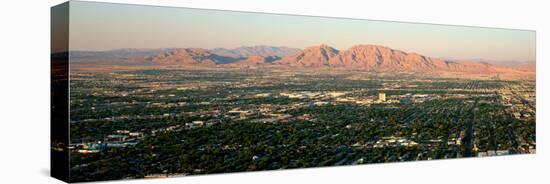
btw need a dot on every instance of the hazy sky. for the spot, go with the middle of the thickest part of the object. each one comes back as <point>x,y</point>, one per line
<point>102,26</point>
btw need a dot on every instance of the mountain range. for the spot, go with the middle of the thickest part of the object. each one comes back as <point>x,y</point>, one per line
<point>366,57</point>
<point>358,57</point>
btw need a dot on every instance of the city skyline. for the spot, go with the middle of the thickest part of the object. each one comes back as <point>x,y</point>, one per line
<point>116,26</point>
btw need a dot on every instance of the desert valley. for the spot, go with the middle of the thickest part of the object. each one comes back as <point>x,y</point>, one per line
<point>142,113</point>
<point>367,58</point>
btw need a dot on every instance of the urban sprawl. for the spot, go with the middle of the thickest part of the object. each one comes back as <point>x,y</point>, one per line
<point>174,122</point>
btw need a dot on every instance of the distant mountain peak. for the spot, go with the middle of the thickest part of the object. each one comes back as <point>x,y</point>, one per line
<point>190,56</point>
<point>319,55</point>
<point>259,50</point>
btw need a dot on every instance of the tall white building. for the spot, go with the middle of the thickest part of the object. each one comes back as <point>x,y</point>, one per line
<point>382,97</point>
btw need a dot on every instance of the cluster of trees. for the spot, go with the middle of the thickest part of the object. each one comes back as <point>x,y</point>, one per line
<point>238,146</point>
<point>242,146</point>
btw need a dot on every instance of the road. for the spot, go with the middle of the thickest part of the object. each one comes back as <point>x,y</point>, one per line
<point>469,131</point>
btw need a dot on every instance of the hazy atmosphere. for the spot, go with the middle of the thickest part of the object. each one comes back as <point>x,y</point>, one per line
<point>100,26</point>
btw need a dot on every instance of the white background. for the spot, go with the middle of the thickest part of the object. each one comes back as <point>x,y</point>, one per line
<point>24,90</point>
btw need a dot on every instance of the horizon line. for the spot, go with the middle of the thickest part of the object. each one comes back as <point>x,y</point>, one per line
<point>451,58</point>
